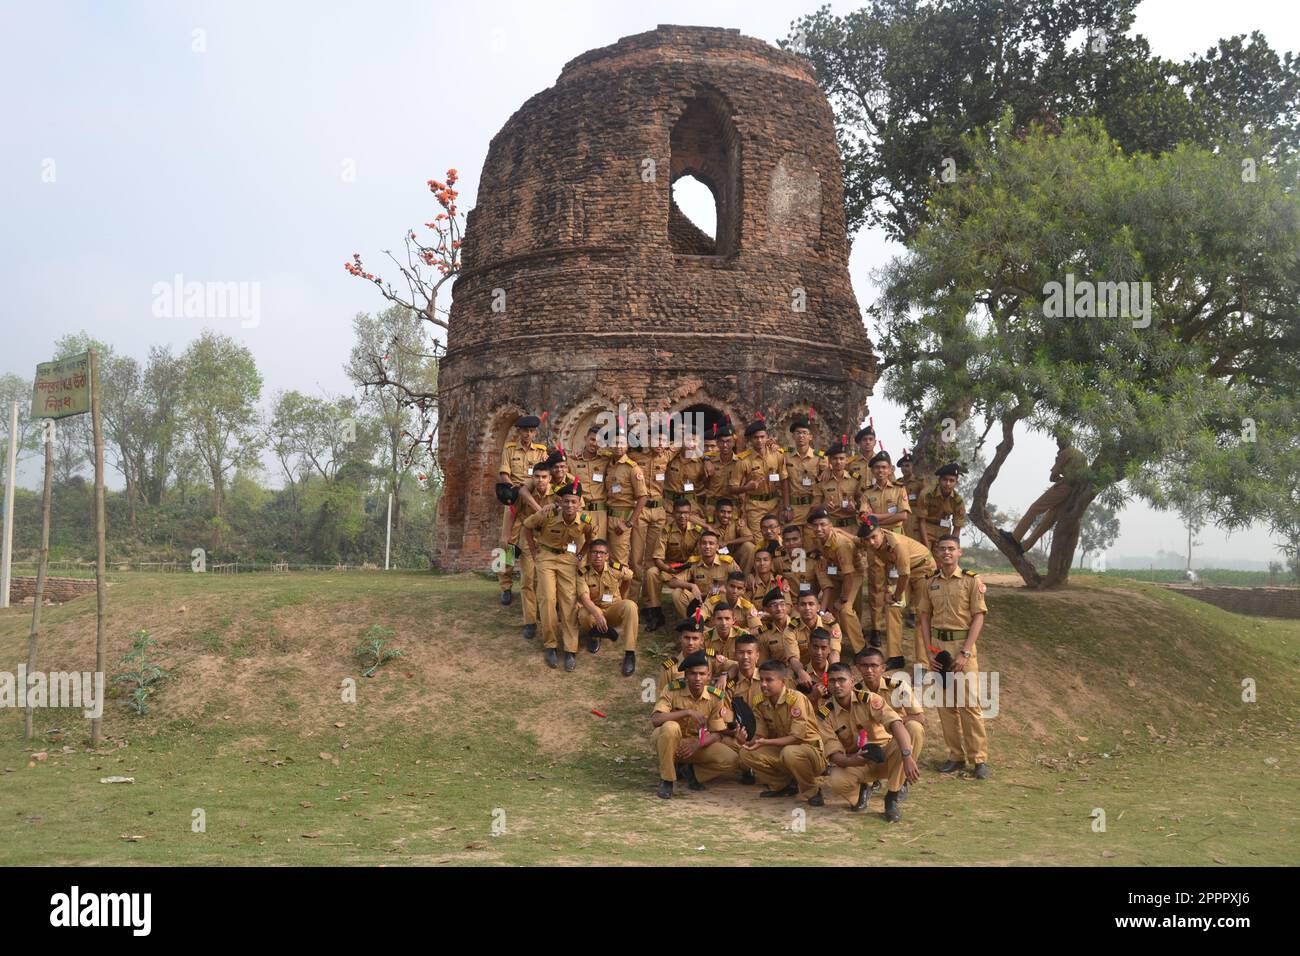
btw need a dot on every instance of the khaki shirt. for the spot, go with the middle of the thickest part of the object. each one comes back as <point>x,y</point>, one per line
<point>790,716</point>
<point>880,501</point>
<point>709,578</point>
<point>733,531</point>
<point>803,634</point>
<point>672,666</point>
<point>905,556</point>
<point>746,688</point>
<point>915,487</point>
<point>1069,465</point>
<point>712,703</point>
<point>936,508</point>
<point>554,534</point>
<point>837,560</point>
<point>803,472</point>
<point>624,484</point>
<point>762,467</point>
<point>551,492</point>
<point>952,601</point>
<point>654,470</point>
<point>517,461</point>
<point>683,471</point>
<point>591,472</point>
<point>675,546</point>
<point>839,496</point>
<point>603,587</point>
<point>900,695</point>
<point>841,727</point>
<point>742,610</point>
<point>718,485</point>
<point>758,587</point>
<point>725,647</point>
<point>777,645</point>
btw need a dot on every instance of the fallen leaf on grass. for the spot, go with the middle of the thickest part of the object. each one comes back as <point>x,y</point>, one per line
<point>132,837</point>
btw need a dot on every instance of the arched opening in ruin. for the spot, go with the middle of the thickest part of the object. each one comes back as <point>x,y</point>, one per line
<point>711,417</point>
<point>705,147</point>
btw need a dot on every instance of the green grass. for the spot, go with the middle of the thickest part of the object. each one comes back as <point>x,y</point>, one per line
<point>421,768</point>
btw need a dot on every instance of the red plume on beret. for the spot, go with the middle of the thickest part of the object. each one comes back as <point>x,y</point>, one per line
<point>811,414</point>
<point>543,415</point>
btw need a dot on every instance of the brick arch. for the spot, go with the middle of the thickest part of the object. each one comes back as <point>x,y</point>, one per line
<point>571,427</point>
<point>704,142</point>
<point>701,395</point>
<point>781,425</point>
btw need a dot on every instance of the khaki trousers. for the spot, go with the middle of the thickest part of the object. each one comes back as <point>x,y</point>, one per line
<point>709,762</point>
<point>1048,504</point>
<point>645,541</point>
<point>622,614</point>
<point>777,767</point>
<point>963,726</point>
<point>506,576</point>
<point>620,544</point>
<point>848,620</point>
<point>527,584</point>
<point>557,585</point>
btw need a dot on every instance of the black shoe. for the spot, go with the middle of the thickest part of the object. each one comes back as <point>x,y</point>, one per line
<point>654,619</point>
<point>570,661</point>
<point>981,771</point>
<point>902,794</point>
<point>550,658</point>
<point>665,790</point>
<point>593,642</point>
<point>688,774</point>
<point>864,794</point>
<point>747,777</point>
<point>507,597</point>
<point>895,664</point>
<point>629,663</point>
<point>875,787</point>
<point>873,638</point>
<point>816,800</point>
<point>1008,537</point>
<point>910,620</point>
<point>789,790</point>
<point>530,631</point>
<point>952,766</point>
<point>892,813</point>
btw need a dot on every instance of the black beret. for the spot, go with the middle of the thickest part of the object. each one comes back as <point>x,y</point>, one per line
<point>907,457</point>
<point>754,428</point>
<point>569,489</point>
<point>838,447</point>
<point>800,421</point>
<point>698,659</point>
<point>864,432</point>
<point>881,456</point>
<point>952,468</point>
<point>776,594</point>
<point>866,525</point>
<point>818,512</point>
<point>688,623</point>
<point>528,421</point>
<point>721,431</point>
<point>507,493</point>
<point>554,458</point>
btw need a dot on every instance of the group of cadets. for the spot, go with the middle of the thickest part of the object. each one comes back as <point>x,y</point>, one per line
<point>793,573</point>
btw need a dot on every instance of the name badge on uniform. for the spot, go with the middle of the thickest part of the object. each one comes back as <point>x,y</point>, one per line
<point>598,477</point>
<point>893,572</point>
<point>607,598</point>
<point>659,477</point>
<point>833,569</point>
<point>688,486</point>
<point>807,482</point>
<point>773,477</point>
<point>715,589</point>
<point>723,550</point>
<point>911,497</point>
<point>946,522</point>
<point>571,548</point>
<point>616,488</point>
<point>892,509</point>
<point>844,505</point>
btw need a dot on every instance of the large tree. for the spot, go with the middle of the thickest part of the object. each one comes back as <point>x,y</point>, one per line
<point>1008,304</point>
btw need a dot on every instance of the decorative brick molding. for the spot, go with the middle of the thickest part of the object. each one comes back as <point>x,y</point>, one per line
<point>58,590</point>
<point>1257,602</point>
<point>608,292</point>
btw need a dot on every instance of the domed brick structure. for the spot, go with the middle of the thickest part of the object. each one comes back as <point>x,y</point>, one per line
<point>583,287</point>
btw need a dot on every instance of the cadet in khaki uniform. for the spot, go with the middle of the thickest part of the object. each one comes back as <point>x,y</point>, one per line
<point>836,492</point>
<point>653,462</point>
<point>764,577</point>
<point>804,466</point>
<point>534,495</point>
<point>705,573</point>
<point>743,611</point>
<point>589,468</point>
<point>557,536</point>
<point>685,475</point>
<point>765,485</point>
<point>690,638</point>
<point>690,721</point>
<point>675,545</point>
<point>898,693</point>
<point>908,563</point>
<point>859,461</point>
<point>941,509</point>
<point>720,642</point>
<point>915,486</point>
<point>602,586</point>
<point>721,464</point>
<point>951,617</point>
<point>809,616</point>
<point>849,723</point>
<point>796,561</point>
<point>816,686</point>
<point>625,498</point>
<point>838,576</point>
<point>786,752</point>
<point>734,537</point>
<point>777,640</point>
<point>517,460</point>
<point>1069,467</point>
<point>880,497</point>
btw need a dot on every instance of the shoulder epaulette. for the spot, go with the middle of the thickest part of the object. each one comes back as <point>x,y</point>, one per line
<point>586,517</point>
<point>727,559</point>
<point>862,695</point>
<point>710,652</point>
<point>933,574</point>
<point>511,444</point>
<point>615,565</point>
<point>741,456</point>
<point>538,446</point>
<point>695,527</point>
<point>823,712</point>
<point>676,685</point>
<point>715,692</point>
<point>788,448</point>
<point>820,453</point>
<point>969,573</point>
<point>670,663</point>
<point>693,559</point>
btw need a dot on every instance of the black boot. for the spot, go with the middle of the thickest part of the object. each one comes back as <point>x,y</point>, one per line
<point>593,642</point>
<point>902,794</point>
<point>981,771</point>
<point>507,597</point>
<point>816,800</point>
<point>570,661</point>
<point>895,664</point>
<point>952,766</point>
<point>530,631</point>
<point>550,658</point>
<point>688,774</point>
<point>892,813</point>
<point>665,790</point>
<point>873,638</point>
<point>864,794</point>
<point>747,777</point>
<point>790,790</point>
<point>629,663</point>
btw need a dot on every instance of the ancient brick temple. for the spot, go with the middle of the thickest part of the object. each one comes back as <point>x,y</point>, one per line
<point>584,287</point>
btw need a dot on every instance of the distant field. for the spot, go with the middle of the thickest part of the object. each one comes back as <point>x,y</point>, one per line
<point>1116,696</point>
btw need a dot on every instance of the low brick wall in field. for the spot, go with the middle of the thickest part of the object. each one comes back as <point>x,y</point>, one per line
<point>58,590</point>
<point>1259,602</point>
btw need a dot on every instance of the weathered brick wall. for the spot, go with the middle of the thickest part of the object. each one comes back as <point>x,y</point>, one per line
<point>598,307</point>
<point>58,590</point>
<point>1259,602</point>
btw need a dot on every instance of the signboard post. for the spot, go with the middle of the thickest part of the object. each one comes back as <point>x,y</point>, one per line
<point>6,558</point>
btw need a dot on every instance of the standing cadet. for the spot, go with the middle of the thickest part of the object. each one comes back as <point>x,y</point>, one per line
<point>908,563</point>
<point>865,440</point>
<point>837,489</point>
<point>705,573</point>
<point>625,498</point>
<point>653,461</point>
<point>898,693</point>
<point>721,466</point>
<point>690,721</point>
<point>765,485</point>
<point>533,495</point>
<point>886,501</point>
<point>839,578</point>
<point>517,460</point>
<point>951,616</point>
<point>796,564</point>
<point>786,751</point>
<point>804,466</point>
<point>734,536</point>
<point>941,509</point>
<point>558,536</point>
<point>685,475</point>
<point>675,545</point>
<point>865,740</point>
<point>604,606</point>
<point>915,486</point>
<point>589,468</point>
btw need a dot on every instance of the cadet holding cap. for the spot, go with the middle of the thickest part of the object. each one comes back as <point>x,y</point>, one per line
<point>557,537</point>
<point>690,721</point>
<point>942,510</point>
<point>785,752</point>
<point>517,460</point>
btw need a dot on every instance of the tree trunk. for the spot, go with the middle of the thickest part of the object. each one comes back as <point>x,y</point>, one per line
<point>979,506</point>
<point>1065,534</point>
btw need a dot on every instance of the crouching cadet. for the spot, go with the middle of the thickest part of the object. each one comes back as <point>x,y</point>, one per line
<point>604,609</point>
<point>690,720</point>
<point>785,752</point>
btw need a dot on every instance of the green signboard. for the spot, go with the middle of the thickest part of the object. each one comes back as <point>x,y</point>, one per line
<point>62,388</point>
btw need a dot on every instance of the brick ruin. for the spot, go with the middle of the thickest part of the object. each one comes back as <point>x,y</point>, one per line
<point>583,286</point>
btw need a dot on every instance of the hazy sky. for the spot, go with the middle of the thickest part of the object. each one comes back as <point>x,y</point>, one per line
<point>282,137</point>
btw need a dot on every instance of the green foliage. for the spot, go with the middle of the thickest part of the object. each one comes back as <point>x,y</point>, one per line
<point>373,651</point>
<point>142,673</point>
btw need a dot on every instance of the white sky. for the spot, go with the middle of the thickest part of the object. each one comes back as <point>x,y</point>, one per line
<point>226,165</point>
